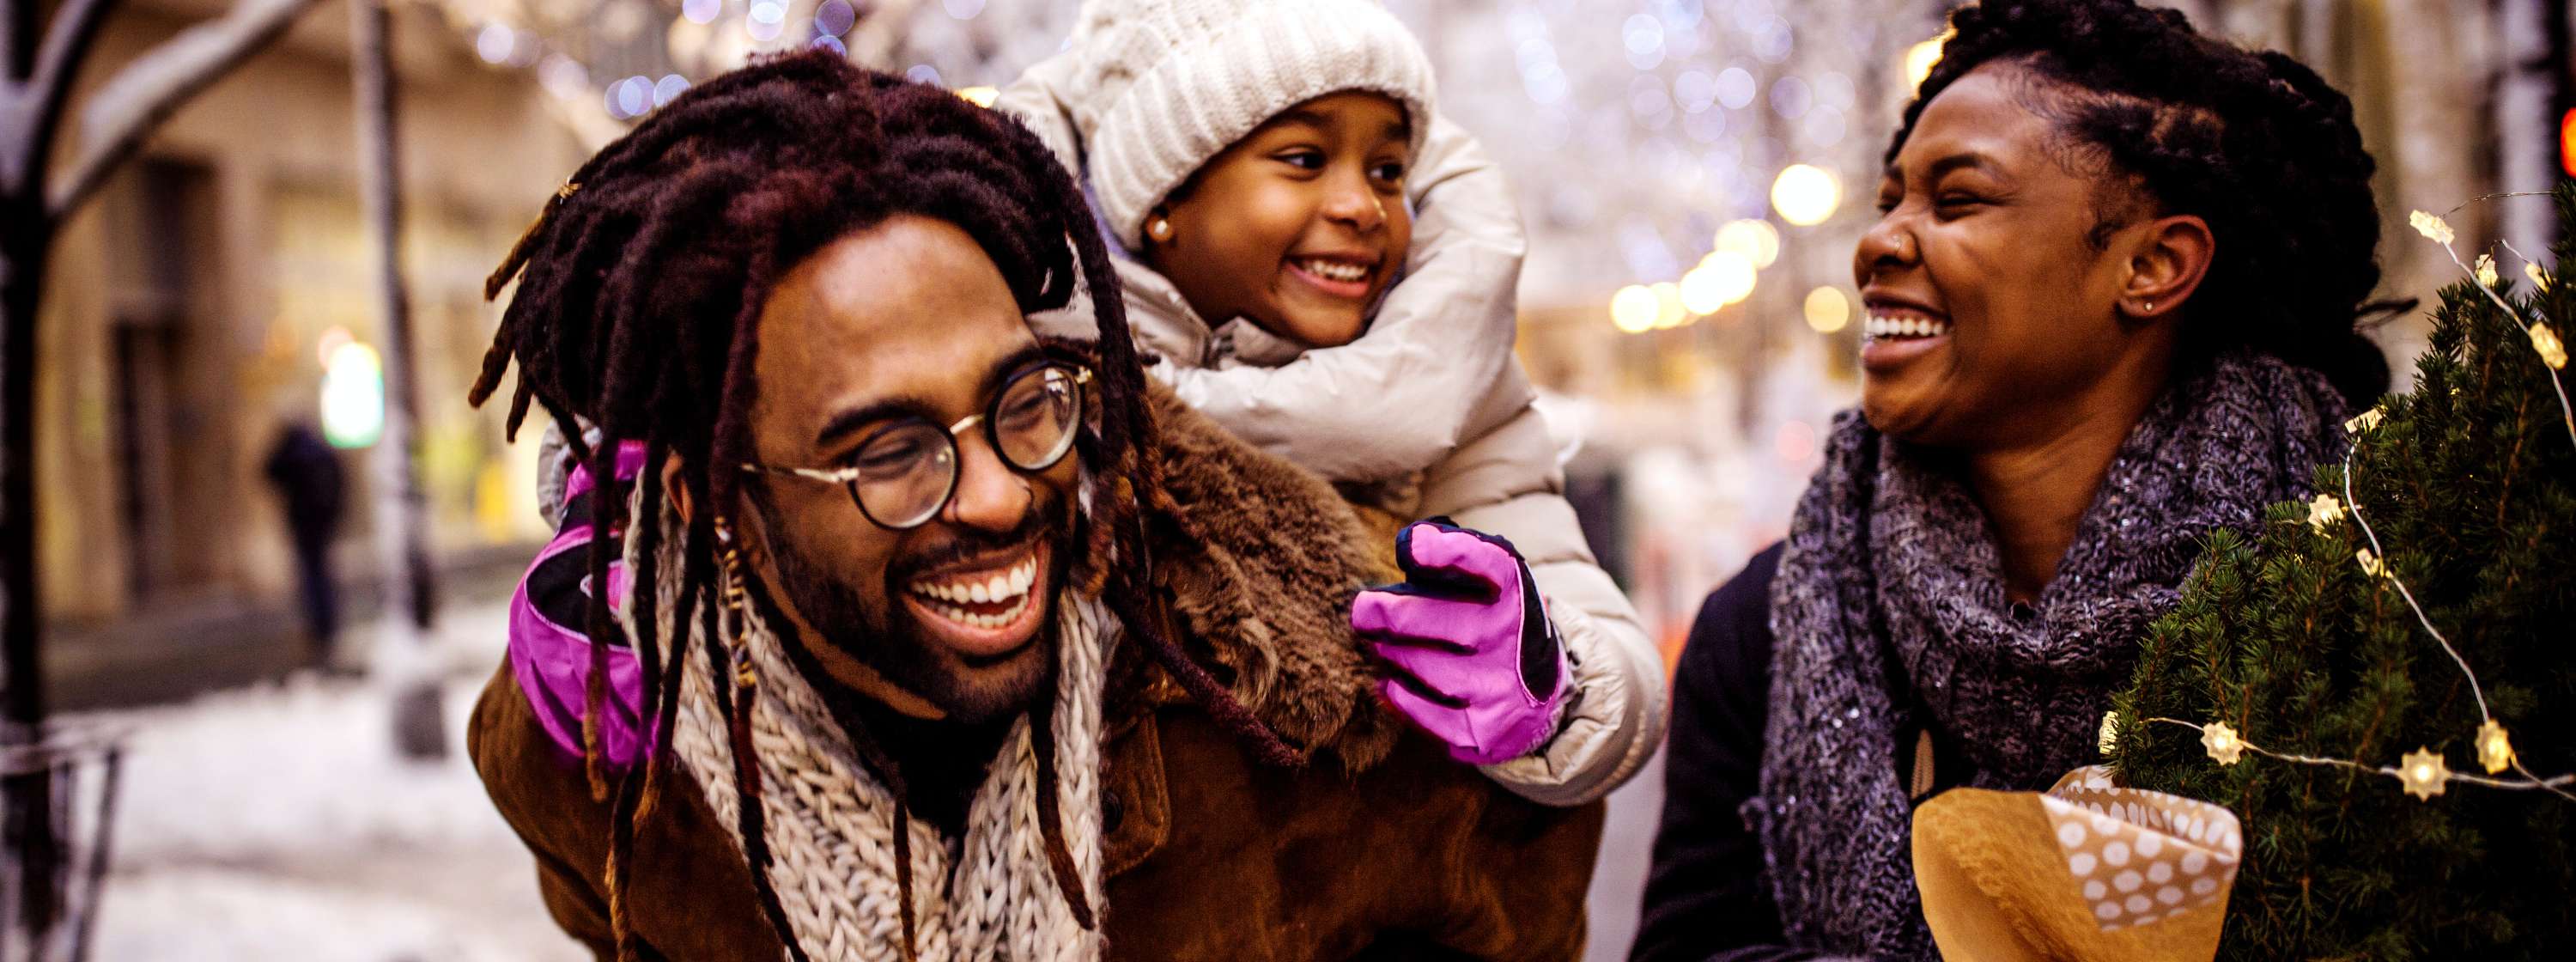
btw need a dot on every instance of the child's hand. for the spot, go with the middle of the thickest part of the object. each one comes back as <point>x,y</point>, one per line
<point>1474,658</point>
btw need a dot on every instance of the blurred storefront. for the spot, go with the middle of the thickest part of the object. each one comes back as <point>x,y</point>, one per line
<point>219,291</point>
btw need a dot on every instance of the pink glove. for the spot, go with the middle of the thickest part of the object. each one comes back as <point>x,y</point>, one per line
<point>1475,660</point>
<point>550,651</point>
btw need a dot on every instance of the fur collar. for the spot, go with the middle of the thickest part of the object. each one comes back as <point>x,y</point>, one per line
<point>1261,563</point>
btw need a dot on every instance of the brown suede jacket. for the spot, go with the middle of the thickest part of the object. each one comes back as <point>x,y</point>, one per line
<point>1380,848</point>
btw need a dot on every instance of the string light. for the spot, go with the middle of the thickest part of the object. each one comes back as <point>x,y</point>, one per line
<point>2422,772</point>
<point>2221,742</point>
<point>2436,772</point>
<point>2324,511</point>
<point>2544,341</point>
<point>2495,749</point>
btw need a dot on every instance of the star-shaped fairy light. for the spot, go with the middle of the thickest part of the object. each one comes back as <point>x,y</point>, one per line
<point>2423,773</point>
<point>2486,270</point>
<point>2495,750</point>
<point>2363,421</point>
<point>2552,351</point>
<point>2539,281</point>
<point>2221,741</point>
<point>2430,226</point>
<point>2110,731</point>
<point>2324,511</point>
<point>2370,563</point>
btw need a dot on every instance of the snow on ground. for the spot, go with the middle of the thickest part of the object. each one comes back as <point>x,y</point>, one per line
<point>278,823</point>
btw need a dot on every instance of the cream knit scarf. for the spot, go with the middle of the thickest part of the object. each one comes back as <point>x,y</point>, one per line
<point>830,825</point>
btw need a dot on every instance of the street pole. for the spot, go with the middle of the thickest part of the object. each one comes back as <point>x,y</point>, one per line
<point>401,509</point>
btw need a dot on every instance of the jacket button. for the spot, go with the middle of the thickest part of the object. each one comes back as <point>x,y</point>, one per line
<point>1112,811</point>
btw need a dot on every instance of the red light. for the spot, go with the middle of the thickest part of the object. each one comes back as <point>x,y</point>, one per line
<point>2567,143</point>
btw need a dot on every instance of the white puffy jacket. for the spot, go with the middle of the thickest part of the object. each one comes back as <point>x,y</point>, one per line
<point>1428,413</point>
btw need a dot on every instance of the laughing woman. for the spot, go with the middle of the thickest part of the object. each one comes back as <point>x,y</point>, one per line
<point>2113,297</point>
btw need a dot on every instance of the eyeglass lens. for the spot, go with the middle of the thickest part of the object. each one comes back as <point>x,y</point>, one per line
<point>906,473</point>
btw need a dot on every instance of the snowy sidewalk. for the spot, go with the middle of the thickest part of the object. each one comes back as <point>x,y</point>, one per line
<point>277,823</point>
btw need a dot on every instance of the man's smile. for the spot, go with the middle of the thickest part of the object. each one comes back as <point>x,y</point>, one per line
<point>988,609</point>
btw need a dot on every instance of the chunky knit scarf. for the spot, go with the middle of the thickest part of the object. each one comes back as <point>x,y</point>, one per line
<point>830,824</point>
<point>1889,612</point>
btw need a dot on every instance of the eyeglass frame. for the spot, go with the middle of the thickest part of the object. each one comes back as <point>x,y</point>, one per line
<point>847,476</point>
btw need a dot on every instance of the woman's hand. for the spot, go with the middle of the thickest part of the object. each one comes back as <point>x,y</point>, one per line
<point>1472,655</point>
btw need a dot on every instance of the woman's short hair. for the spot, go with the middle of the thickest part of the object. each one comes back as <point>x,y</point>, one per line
<point>2253,142</point>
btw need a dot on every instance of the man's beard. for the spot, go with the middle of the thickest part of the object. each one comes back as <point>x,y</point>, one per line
<point>886,636</point>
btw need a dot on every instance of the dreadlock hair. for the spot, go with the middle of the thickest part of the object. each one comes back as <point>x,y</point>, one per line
<point>2253,142</point>
<point>640,288</point>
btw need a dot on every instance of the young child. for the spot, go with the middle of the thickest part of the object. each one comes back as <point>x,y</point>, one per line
<point>1270,169</point>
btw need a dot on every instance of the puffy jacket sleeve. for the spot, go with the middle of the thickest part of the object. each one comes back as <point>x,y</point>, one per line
<point>1505,481</point>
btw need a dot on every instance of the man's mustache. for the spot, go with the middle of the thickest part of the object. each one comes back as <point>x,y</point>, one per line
<point>972,543</point>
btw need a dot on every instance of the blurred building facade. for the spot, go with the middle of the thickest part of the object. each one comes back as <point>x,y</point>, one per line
<point>191,312</point>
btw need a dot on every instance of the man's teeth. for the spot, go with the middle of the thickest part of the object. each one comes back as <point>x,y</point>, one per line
<point>1333,270</point>
<point>1010,586</point>
<point>973,620</point>
<point>1904,325</point>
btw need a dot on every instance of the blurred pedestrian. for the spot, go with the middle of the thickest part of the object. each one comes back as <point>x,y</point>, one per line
<point>2112,305</point>
<point>1327,267</point>
<point>312,487</point>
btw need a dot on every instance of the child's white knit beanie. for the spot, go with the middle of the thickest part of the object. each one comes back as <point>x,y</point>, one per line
<point>1166,85</point>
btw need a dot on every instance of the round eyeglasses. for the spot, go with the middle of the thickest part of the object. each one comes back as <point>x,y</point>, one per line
<point>905,471</point>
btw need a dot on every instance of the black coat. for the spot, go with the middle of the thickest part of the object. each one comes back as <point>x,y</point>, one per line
<point>1707,898</point>
<point>308,476</point>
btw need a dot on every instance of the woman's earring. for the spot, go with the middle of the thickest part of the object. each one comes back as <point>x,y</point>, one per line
<point>2151,307</point>
<point>1159,228</point>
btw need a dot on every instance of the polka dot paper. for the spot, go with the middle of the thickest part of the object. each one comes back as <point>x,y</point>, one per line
<point>2141,856</point>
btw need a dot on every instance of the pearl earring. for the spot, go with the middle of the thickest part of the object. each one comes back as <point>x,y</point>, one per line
<point>1160,229</point>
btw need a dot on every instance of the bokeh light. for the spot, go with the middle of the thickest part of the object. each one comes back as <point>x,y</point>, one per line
<point>1723,278</point>
<point>1669,311</point>
<point>1805,194</point>
<point>1633,309</point>
<point>1920,58</point>
<point>1828,310</point>
<point>1757,240</point>
<point>495,41</point>
<point>834,18</point>
<point>353,396</point>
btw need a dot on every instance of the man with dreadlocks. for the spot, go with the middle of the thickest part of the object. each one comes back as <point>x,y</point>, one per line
<point>956,643</point>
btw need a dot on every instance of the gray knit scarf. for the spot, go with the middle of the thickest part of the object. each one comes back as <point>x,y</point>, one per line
<point>1889,607</point>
